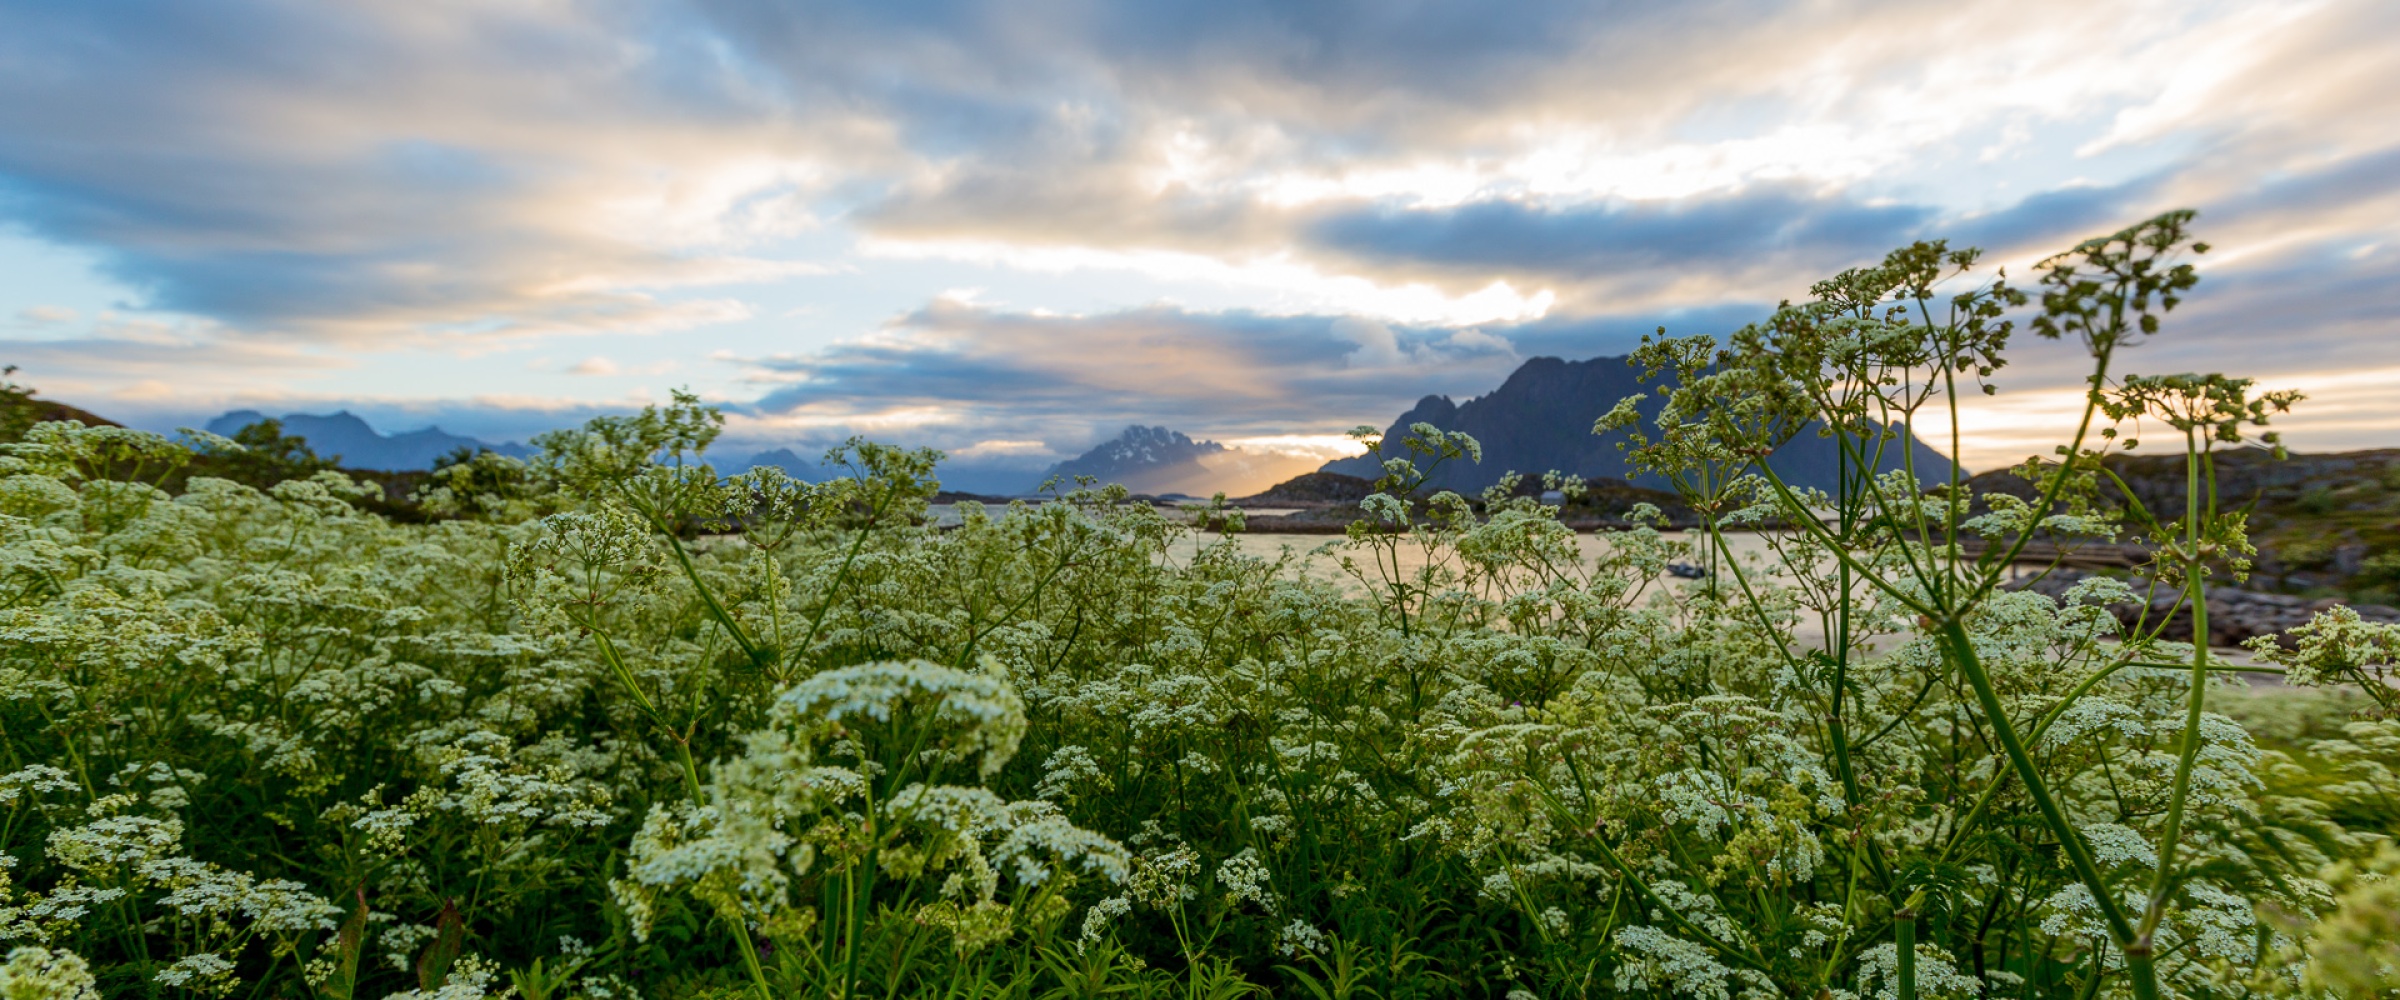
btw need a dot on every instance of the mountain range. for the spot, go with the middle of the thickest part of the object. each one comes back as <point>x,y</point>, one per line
<point>1541,419</point>
<point>360,446</point>
<point>1160,461</point>
<point>1139,457</point>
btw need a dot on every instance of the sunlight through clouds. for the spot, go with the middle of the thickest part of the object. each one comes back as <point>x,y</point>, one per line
<point>1282,285</point>
<point>767,202</point>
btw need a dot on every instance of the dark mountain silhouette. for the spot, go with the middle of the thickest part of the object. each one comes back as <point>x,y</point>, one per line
<point>1315,489</point>
<point>360,446</point>
<point>782,458</point>
<point>1541,420</point>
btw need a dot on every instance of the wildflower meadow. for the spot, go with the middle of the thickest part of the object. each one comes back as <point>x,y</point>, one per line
<point>608,724</point>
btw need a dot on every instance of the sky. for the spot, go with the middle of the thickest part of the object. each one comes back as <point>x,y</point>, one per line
<point>1009,229</point>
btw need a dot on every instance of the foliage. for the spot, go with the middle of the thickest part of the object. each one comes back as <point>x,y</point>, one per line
<point>625,727</point>
<point>16,406</point>
<point>261,455</point>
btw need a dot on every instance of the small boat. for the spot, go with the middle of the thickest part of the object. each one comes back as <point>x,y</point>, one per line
<point>1686,571</point>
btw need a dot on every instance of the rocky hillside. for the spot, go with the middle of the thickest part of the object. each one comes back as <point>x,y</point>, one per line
<point>1540,420</point>
<point>2234,615</point>
<point>1315,489</point>
<point>1328,501</point>
<point>2325,525</point>
<point>20,409</point>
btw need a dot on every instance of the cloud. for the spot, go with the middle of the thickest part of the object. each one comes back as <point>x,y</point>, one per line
<point>191,353</point>
<point>133,369</point>
<point>1346,87</point>
<point>2273,75</point>
<point>1378,346</point>
<point>386,170</point>
<point>2057,219</point>
<point>1002,448</point>
<point>1618,243</point>
<point>1244,218</point>
<point>953,369</point>
<point>46,316</point>
<point>602,365</point>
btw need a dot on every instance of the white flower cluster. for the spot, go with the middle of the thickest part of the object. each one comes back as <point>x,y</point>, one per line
<point>974,714</point>
<point>1938,976</point>
<point>801,707</point>
<point>130,857</point>
<point>489,780</point>
<point>775,814</point>
<point>472,977</point>
<point>43,974</point>
<point>1244,879</point>
<point>1656,960</point>
<point>1299,938</point>
<point>1069,767</point>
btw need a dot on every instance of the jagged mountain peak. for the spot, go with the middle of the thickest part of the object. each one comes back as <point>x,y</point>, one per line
<point>1540,419</point>
<point>1143,458</point>
<point>1148,446</point>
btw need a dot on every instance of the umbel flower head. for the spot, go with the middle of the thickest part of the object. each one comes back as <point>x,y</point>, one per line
<point>965,714</point>
<point>43,974</point>
<point>786,811</point>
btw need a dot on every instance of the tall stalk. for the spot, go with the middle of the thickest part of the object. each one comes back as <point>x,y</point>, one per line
<point>692,788</point>
<point>1848,362</point>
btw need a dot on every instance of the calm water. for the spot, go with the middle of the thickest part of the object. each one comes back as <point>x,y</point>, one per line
<point>1320,555</point>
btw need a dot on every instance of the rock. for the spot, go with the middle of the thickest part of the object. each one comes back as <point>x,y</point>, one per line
<point>2234,614</point>
<point>1315,489</point>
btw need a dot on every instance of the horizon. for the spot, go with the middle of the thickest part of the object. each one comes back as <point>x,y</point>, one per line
<point>1010,232</point>
<point>1247,476</point>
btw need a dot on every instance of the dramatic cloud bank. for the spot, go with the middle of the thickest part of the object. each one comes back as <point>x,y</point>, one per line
<point>1010,229</point>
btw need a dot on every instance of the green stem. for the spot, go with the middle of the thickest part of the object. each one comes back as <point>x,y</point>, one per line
<point>1626,871</point>
<point>1904,933</point>
<point>865,887</point>
<point>2196,580</point>
<point>758,656</point>
<point>2079,854</point>
<point>691,787</point>
<point>2091,986</point>
<point>841,575</point>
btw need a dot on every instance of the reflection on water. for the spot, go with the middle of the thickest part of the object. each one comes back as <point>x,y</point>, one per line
<point>1320,555</point>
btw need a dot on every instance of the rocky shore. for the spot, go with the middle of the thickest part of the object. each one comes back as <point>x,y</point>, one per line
<point>2234,614</point>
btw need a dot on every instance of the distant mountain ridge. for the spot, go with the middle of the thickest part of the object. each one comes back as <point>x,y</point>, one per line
<point>360,446</point>
<point>782,458</point>
<point>1541,419</point>
<point>1138,457</point>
